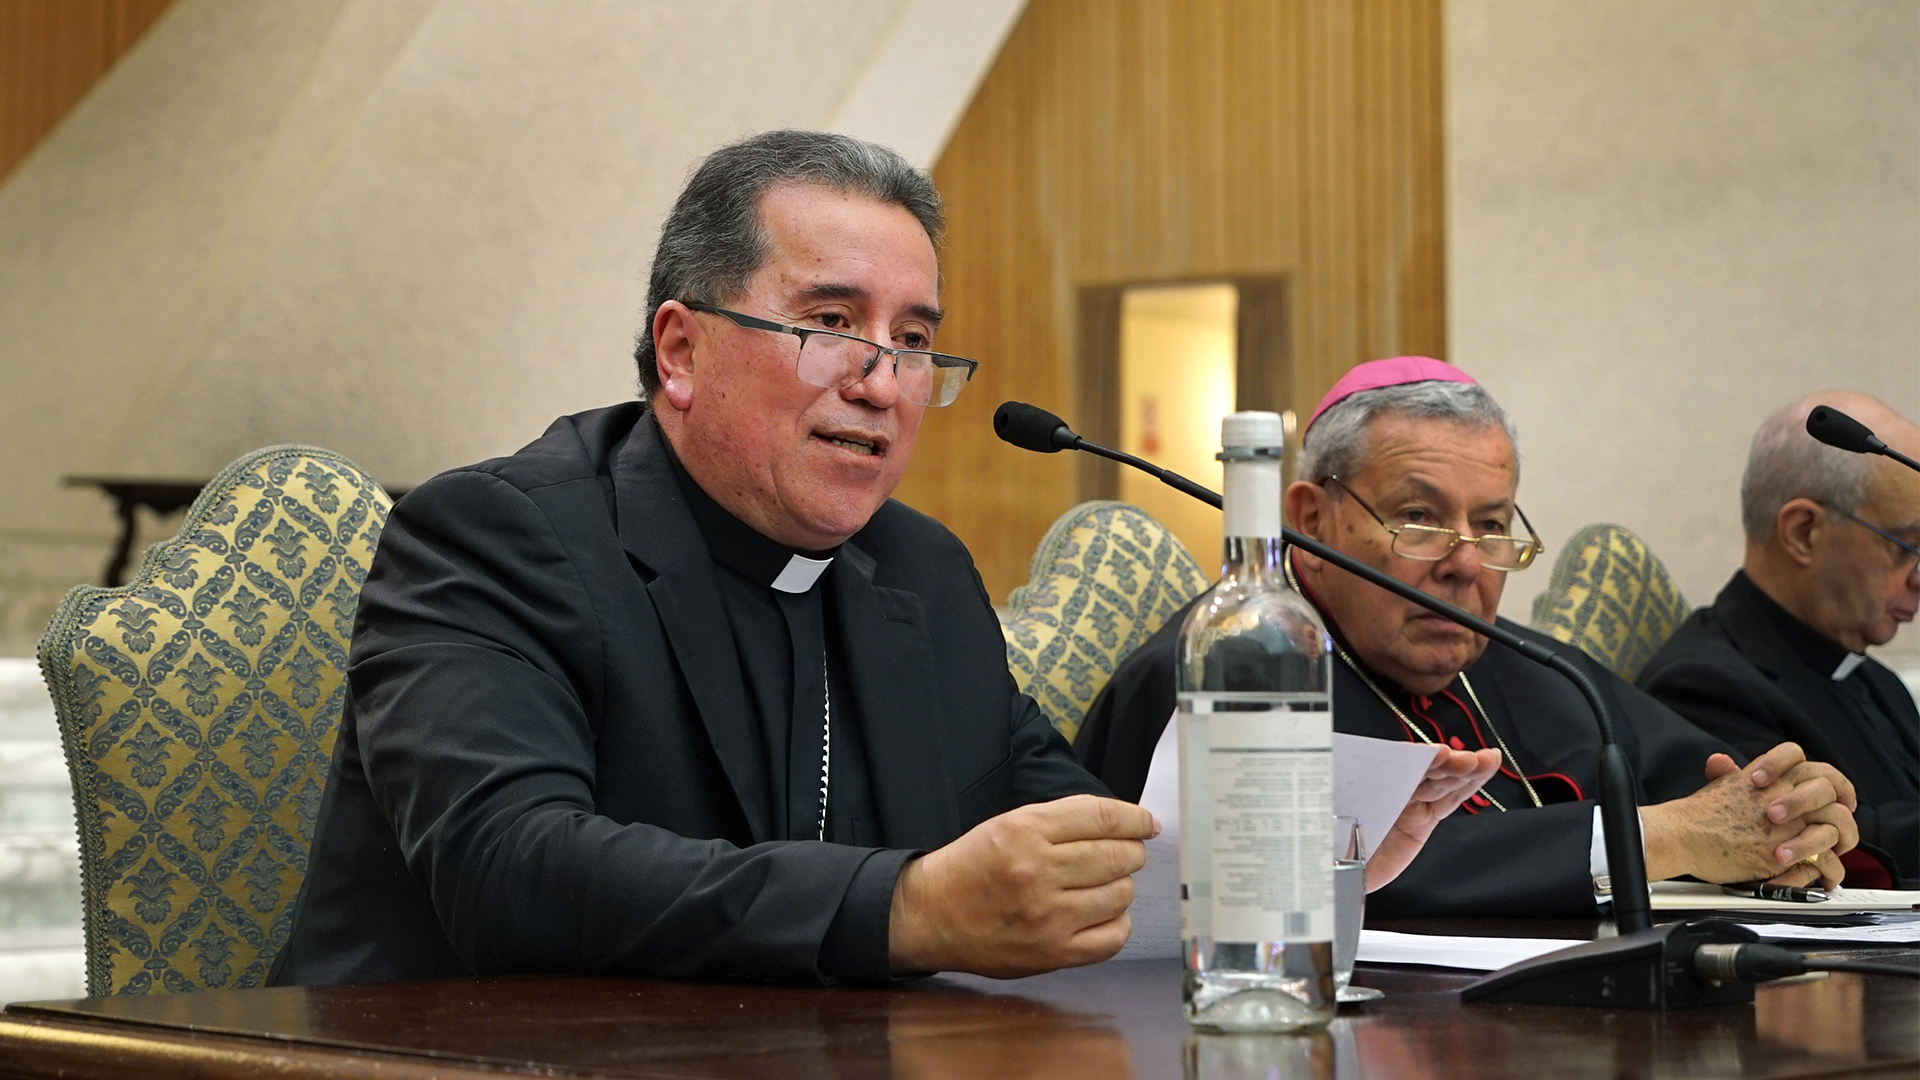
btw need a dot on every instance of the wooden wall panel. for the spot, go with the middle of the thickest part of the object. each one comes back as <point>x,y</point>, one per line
<point>1096,370</point>
<point>51,54</point>
<point>1125,141</point>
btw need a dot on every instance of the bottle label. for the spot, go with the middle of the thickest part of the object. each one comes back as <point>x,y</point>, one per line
<point>1257,770</point>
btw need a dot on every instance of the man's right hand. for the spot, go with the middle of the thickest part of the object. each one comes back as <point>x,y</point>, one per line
<point>1040,887</point>
<point>1725,832</point>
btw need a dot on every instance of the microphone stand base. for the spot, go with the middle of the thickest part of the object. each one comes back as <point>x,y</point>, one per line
<point>1646,969</point>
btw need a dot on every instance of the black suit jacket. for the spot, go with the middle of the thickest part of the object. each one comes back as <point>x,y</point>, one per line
<point>548,761</point>
<point>1733,669</point>
<point>1529,861</point>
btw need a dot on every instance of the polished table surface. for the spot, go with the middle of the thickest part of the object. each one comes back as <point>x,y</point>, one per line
<point>1118,1019</point>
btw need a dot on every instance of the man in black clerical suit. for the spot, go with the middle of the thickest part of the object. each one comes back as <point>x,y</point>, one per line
<point>677,690</point>
<point>1831,568</point>
<point>1411,468</point>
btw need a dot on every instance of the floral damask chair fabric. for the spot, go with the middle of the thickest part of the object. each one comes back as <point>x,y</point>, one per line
<point>1104,578</point>
<point>198,706</point>
<point>1611,596</point>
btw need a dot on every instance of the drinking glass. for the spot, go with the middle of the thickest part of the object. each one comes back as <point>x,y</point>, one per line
<point>1349,896</point>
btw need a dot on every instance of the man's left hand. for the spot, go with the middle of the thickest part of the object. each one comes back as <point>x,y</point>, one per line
<point>1814,789</point>
<point>1453,776</point>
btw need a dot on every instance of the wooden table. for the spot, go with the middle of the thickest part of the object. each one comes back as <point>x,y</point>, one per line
<point>163,497</point>
<point>1111,1020</point>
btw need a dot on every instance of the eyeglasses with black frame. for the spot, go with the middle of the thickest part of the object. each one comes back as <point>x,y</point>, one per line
<point>1913,568</point>
<point>834,361</point>
<point>1430,543</point>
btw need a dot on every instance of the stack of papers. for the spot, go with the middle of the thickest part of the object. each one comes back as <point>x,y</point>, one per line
<point>1467,953</point>
<point>1903,932</point>
<point>1697,896</point>
<point>1493,953</point>
<point>1373,779</point>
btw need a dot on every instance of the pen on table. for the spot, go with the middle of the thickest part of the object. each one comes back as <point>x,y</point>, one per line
<point>1766,890</point>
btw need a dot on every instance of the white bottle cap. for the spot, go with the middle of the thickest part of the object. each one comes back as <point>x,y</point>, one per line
<point>1252,430</point>
<point>1250,445</point>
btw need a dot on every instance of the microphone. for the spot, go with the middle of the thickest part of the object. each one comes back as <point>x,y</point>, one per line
<point>1030,427</point>
<point>1640,957</point>
<point>1837,429</point>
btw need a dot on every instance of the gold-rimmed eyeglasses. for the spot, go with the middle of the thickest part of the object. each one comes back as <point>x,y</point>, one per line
<point>834,361</point>
<point>1430,543</point>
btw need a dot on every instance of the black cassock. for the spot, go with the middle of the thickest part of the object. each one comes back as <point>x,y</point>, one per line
<point>1524,861</point>
<point>583,731</point>
<point>779,628</point>
<point>1747,670</point>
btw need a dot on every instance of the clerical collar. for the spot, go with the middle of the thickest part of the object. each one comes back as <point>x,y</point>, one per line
<point>1847,664</point>
<point>1817,650</point>
<point>739,548</point>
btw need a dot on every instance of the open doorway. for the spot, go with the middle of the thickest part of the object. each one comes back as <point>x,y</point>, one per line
<point>1177,349</point>
<point>1158,364</point>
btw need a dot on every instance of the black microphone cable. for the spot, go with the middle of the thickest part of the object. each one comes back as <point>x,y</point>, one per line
<point>1759,962</point>
<point>1032,428</point>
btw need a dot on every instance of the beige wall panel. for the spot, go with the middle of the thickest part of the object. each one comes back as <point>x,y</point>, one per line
<point>1149,140</point>
<point>51,54</point>
<point>1666,219</point>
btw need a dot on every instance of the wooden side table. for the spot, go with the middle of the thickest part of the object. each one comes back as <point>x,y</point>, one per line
<point>163,497</point>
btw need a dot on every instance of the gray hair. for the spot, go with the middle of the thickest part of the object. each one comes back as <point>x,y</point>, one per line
<point>1785,463</point>
<point>712,240</point>
<point>1336,444</point>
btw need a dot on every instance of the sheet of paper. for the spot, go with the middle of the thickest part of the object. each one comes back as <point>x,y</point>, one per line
<point>1698,896</point>
<point>1156,887</point>
<point>1372,780</point>
<point>1888,933</point>
<point>1156,903</point>
<point>1469,953</point>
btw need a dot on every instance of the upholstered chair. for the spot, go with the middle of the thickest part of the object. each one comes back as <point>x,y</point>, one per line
<point>1104,578</point>
<point>1611,596</point>
<point>198,706</point>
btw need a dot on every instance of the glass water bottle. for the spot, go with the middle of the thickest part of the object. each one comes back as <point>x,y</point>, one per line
<point>1256,770</point>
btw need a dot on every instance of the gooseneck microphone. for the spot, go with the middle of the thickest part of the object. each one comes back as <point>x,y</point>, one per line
<point>1644,966</point>
<point>1837,429</point>
<point>1034,428</point>
<point>1030,427</point>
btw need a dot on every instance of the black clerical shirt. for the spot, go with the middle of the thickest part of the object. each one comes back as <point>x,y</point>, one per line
<point>563,699</point>
<point>1528,862</point>
<point>1452,717</point>
<point>779,617</point>
<point>1748,670</point>
<point>781,631</point>
<point>1871,708</point>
